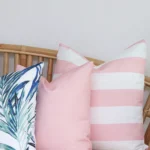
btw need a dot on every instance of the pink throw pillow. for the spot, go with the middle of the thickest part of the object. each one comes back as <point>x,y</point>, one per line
<point>63,108</point>
<point>116,97</point>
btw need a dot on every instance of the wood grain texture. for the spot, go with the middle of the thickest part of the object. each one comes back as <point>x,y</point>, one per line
<point>147,81</point>
<point>50,70</point>
<point>40,59</point>
<point>5,63</point>
<point>29,60</point>
<point>147,136</point>
<point>146,109</point>
<point>23,57</point>
<point>16,61</point>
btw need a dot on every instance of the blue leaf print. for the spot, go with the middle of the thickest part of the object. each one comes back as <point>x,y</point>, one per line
<point>17,108</point>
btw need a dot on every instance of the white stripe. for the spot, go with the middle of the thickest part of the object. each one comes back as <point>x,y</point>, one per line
<point>70,56</point>
<point>138,50</point>
<point>122,80</point>
<point>102,81</point>
<point>119,145</point>
<point>116,115</point>
<point>9,140</point>
<point>135,51</point>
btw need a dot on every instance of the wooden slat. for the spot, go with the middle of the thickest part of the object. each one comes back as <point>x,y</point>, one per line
<point>147,136</point>
<point>146,108</point>
<point>5,63</point>
<point>29,60</point>
<point>40,59</point>
<point>50,70</point>
<point>16,61</point>
<point>23,58</point>
<point>147,81</point>
<point>148,114</point>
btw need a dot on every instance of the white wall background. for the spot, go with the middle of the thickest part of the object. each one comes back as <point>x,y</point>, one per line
<point>96,28</point>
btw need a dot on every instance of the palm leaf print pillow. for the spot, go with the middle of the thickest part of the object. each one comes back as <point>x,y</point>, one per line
<point>17,108</point>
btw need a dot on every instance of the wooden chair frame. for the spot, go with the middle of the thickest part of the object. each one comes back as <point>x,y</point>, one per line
<point>23,55</point>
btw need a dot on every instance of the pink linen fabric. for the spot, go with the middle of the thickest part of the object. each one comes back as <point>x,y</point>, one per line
<point>63,108</point>
<point>116,97</point>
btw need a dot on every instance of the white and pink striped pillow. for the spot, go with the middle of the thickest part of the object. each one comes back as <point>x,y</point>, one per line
<point>117,97</point>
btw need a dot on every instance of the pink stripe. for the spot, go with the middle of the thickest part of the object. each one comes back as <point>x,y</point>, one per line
<point>123,65</point>
<point>117,132</point>
<point>63,66</point>
<point>122,97</point>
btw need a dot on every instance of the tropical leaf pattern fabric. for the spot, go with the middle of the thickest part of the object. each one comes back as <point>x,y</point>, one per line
<point>17,108</point>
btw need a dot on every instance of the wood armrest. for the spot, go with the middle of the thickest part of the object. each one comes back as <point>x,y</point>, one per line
<point>147,136</point>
